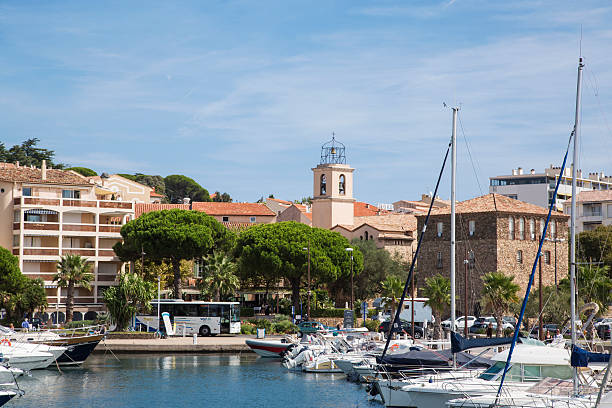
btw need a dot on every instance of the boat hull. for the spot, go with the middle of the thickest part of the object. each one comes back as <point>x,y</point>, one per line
<point>6,396</point>
<point>77,348</point>
<point>267,348</point>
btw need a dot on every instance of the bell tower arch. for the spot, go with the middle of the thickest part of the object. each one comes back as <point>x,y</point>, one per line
<point>333,201</point>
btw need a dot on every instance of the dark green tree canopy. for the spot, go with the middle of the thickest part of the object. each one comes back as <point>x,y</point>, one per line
<point>277,251</point>
<point>28,154</point>
<point>222,198</point>
<point>179,187</point>
<point>596,245</point>
<point>84,171</point>
<point>377,265</point>
<point>172,235</point>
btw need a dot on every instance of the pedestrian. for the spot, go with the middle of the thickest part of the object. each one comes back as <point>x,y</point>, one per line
<point>558,337</point>
<point>11,326</point>
<point>25,325</point>
<point>490,330</point>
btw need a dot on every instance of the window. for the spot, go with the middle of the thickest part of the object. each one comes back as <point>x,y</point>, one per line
<point>547,257</point>
<point>510,228</point>
<point>15,240</point>
<point>519,256</point>
<point>440,228</point>
<point>253,219</point>
<point>439,261</point>
<point>542,227</point>
<point>361,237</point>
<point>27,191</point>
<point>225,218</point>
<point>522,228</point>
<point>198,268</point>
<point>32,218</point>
<point>341,185</point>
<point>16,216</point>
<point>366,235</point>
<point>553,229</point>
<point>71,194</point>
<point>532,229</point>
<point>609,210</point>
<point>472,227</point>
<point>323,184</point>
<point>591,210</point>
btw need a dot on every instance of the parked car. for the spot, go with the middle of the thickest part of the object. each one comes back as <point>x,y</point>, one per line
<point>604,330</point>
<point>403,326</point>
<point>311,327</point>
<point>510,320</point>
<point>552,329</point>
<point>482,323</point>
<point>459,322</point>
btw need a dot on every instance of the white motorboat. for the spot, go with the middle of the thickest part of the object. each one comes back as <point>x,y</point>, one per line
<point>8,375</point>
<point>269,348</point>
<point>529,364</point>
<point>27,359</point>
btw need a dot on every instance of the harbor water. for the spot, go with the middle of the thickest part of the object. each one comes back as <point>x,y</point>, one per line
<point>219,380</point>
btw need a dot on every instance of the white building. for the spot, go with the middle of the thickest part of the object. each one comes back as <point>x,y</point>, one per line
<point>538,188</point>
<point>593,209</point>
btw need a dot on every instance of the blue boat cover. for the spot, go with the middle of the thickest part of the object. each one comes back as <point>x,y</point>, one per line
<point>459,343</point>
<point>582,358</point>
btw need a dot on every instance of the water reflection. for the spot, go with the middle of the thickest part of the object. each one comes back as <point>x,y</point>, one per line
<point>153,380</point>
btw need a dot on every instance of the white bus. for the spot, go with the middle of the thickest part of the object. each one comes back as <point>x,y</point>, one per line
<point>203,318</point>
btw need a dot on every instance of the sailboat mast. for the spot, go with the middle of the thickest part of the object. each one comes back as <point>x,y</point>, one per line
<point>452,222</point>
<point>573,217</point>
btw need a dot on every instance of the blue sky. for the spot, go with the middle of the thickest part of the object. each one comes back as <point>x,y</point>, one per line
<point>241,95</point>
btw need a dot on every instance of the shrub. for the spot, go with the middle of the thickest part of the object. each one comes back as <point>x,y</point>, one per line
<point>371,325</point>
<point>79,323</point>
<point>246,328</point>
<point>281,317</point>
<point>284,326</point>
<point>508,332</point>
<point>336,312</point>
<point>261,324</point>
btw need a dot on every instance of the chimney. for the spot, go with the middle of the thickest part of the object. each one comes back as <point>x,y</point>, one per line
<point>43,169</point>
<point>514,172</point>
<point>520,171</point>
<point>532,171</point>
<point>17,163</point>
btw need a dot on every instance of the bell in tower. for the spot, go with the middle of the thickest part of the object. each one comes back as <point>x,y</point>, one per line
<point>333,187</point>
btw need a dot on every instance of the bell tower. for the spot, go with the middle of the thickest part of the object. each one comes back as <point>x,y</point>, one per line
<point>332,198</point>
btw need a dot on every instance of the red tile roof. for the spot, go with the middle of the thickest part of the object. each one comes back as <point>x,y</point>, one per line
<point>145,208</point>
<point>154,194</point>
<point>594,196</point>
<point>364,209</point>
<point>22,174</point>
<point>285,202</point>
<point>304,211</point>
<point>495,203</point>
<point>212,208</point>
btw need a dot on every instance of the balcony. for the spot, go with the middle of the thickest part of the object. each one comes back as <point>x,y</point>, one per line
<point>40,251</point>
<point>38,226</point>
<point>79,251</point>
<point>110,228</point>
<point>74,202</point>
<point>106,252</point>
<point>79,227</point>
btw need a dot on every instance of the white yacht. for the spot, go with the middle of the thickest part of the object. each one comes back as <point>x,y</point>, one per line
<point>529,364</point>
<point>28,356</point>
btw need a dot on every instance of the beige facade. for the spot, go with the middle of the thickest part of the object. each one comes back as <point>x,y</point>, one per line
<point>296,212</point>
<point>593,209</point>
<point>47,213</point>
<point>333,201</point>
<point>123,189</point>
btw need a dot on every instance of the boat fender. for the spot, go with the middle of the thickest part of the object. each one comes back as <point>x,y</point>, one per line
<point>5,341</point>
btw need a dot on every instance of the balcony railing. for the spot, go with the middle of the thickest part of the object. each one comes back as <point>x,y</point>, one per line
<point>40,226</point>
<point>106,252</point>
<point>110,228</point>
<point>79,227</point>
<point>79,251</point>
<point>73,202</point>
<point>40,251</point>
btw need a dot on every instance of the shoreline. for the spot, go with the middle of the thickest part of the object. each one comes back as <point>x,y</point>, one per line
<point>205,345</point>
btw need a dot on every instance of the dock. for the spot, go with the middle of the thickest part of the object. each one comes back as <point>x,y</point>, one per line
<point>214,344</point>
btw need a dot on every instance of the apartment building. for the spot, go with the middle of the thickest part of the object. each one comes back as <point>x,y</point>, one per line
<point>47,213</point>
<point>538,188</point>
<point>593,209</point>
<point>493,233</point>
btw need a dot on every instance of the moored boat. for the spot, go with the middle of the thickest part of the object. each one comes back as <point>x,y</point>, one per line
<point>268,348</point>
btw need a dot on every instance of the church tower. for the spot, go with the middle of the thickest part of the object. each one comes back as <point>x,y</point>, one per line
<point>333,201</point>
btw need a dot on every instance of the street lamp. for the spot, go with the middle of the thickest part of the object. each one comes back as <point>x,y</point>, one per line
<point>308,305</point>
<point>555,240</point>
<point>352,292</point>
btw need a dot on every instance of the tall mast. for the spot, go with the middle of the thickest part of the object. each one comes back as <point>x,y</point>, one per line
<point>452,226</point>
<point>573,217</point>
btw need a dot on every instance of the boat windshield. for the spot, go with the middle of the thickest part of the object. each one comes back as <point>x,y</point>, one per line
<point>524,372</point>
<point>6,331</point>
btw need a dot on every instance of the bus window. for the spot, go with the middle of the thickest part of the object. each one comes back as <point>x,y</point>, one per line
<point>167,308</point>
<point>203,310</point>
<point>214,310</point>
<point>153,311</point>
<point>235,313</point>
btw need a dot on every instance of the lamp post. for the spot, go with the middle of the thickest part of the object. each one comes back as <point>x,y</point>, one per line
<point>308,305</point>
<point>555,240</point>
<point>352,292</point>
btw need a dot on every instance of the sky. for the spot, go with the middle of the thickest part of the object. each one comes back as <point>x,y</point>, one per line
<point>240,95</point>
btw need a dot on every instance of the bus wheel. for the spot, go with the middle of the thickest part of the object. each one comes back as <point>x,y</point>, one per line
<point>204,331</point>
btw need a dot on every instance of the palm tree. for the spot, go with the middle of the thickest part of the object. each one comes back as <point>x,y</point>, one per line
<point>132,294</point>
<point>499,292</point>
<point>219,277</point>
<point>392,289</point>
<point>594,284</point>
<point>437,290</point>
<point>72,270</point>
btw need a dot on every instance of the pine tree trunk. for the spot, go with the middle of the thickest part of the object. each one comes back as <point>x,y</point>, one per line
<point>500,328</point>
<point>69,301</point>
<point>176,266</point>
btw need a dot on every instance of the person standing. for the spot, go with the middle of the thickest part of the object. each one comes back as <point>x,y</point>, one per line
<point>25,325</point>
<point>490,330</point>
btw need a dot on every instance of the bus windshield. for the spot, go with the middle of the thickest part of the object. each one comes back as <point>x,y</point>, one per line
<point>235,313</point>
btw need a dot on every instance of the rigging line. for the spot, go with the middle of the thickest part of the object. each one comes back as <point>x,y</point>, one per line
<point>467,145</point>
<point>532,274</point>
<point>416,253</point>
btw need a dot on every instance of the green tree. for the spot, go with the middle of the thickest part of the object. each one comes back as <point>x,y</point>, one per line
<point>392,289</point>
<point>437,290</point>
<point>222,198</point>
<point>498,294</point>
<point>172,236</point>
<point>377,265</point>
<point>132,294</point>
<point>18,293</point>
<point>596,245</point>
<point>593,284</point>
<point>72,270</point>
<point>219,280</point>
<point>179,187</point>
<point>27,154</point>
<point>277,250</point>
<point>84,171</point>
<point>556,304</point>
